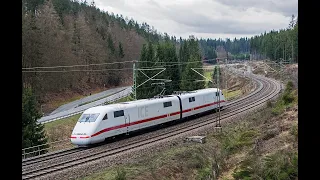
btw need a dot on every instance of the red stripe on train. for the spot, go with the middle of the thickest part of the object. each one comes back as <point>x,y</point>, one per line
<point>175,113</point>
<point>129,124</point>
<point>79,137</point>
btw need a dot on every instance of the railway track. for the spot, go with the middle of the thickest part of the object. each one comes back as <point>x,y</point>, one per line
<point>48,156</point>
<point>266,90</point>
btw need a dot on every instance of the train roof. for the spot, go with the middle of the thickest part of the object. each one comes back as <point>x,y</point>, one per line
<point>199,91</point>
<point>123,105</point>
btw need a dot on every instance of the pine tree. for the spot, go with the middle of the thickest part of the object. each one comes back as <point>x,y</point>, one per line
<point>172,72</point>
<point>121,53</point>
<point>186,82</point>
<point>214,75</point>
<point>193,57</point>
<point>140,78</point>
<point>110,44</point>
<point>160,62</point>
<point>147,61</point>
<point>33,134</point>
<point>62,7</point>
<point>151,59</point>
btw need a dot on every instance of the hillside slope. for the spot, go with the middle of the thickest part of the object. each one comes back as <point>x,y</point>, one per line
<point>62,33</point>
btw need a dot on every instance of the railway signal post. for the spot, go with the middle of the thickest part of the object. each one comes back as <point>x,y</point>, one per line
<point>218,127</point>
<point>134,81</point>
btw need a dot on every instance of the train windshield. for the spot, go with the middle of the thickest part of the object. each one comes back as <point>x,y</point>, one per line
<point>88,117</point>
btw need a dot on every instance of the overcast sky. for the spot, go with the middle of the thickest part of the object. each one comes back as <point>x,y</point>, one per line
<point>206,18</point>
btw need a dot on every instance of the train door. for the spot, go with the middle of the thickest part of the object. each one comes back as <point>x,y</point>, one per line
<point>127,121</point>
<point>180,107</point>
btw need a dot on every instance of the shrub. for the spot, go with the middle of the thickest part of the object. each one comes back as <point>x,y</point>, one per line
<point>233,142</point>
<point>121,174</point>
<point>280,166</point>
<point>294,130</point>
<point>204,173</point>
<point>270,134</point>
<point>269,104</point>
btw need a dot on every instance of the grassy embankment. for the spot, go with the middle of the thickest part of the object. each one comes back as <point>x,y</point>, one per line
<point>228,94</point>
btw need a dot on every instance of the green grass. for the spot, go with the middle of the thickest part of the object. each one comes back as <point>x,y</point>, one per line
<point>229,95</point>
<point>61,129</point>
<point>193,157</point>
<point>280,165</point>
<point>64,121</point>
<point>287,99</point>
<point>124,99</point>
<point>116,173</point>
<point>59,103</point>
<point>208,74</point>
<point>66,101</point>
<point>97,99</point>
<point>241,136</point>
<point>294,130</point>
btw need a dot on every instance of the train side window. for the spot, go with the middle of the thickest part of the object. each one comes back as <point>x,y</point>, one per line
<point>167,104</point>
<point>191,99</point>
<point>118,113</point>
<point>105,117</point>
<point>217,93</point>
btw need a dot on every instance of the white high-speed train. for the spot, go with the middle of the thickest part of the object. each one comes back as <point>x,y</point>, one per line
<point>98,123</point>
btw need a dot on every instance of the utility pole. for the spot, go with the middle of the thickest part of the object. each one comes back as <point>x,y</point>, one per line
<point>218,125</point>
<point>134,81</point>
<point>225,75</point>
<point>292,49</point>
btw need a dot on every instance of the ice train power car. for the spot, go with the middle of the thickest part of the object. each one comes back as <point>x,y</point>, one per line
<point>98,123</point>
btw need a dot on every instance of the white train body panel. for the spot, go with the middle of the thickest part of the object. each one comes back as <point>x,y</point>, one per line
<point>200,101</point>
<point>98,123</point>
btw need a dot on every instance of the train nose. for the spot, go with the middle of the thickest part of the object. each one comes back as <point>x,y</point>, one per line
<point>80,140</point>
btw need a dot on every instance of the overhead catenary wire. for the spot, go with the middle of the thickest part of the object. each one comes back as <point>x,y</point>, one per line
<point>100,64</point>
<point>110,69</point>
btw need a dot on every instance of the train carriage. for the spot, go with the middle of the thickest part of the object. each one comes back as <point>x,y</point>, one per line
<point>200,101</point>
<point>98,123</point>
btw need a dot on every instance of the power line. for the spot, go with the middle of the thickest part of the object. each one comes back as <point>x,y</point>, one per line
<point>78,70</point>
<point>79,65</point>
<point>98,70</point>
